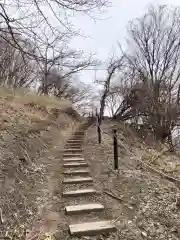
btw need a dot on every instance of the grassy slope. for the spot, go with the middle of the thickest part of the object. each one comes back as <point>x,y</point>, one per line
<point>33,131</point>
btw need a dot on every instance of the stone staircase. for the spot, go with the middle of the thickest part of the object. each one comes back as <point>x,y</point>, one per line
<point>80,194</point>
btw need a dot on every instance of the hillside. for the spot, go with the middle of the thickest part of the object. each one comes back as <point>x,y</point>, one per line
<point>143,195</point>
<point>33,132</point>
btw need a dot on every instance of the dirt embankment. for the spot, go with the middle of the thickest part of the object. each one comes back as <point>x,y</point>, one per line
<point>33,132</point>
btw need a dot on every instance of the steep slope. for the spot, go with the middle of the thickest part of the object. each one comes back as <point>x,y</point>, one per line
<point>33,132</point>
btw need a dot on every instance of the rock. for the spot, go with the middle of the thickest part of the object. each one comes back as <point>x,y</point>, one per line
<point>144,234</point>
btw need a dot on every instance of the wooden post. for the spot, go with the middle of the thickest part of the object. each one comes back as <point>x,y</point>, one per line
<point>98,130</point>
<point>96,112</point>
<point>115,144</point>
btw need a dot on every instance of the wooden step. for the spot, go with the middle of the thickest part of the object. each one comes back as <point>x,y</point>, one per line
<point>75,159</point>
<point>91,228</point>
<point>78,136</point>
<point>77,144</point>
<point>72,150</point>
<point>75,164</point>
<point>74,141</point>
<point>77,172</point>
<point>77,180</point>
<point>79,133</point>
<point>84,208</point>
<point>75,138</point>
<point>80,192</point>
<point>72,155</point>
<point>73,145</point>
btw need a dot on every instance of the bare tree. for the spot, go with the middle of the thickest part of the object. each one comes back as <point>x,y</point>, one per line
<point>33,15</point>
<point>47,26</point>
<point>113,66</point>
<point>15,71</point>
<point>83,97</point>
<point>154,56</point>
<point>113,100</point>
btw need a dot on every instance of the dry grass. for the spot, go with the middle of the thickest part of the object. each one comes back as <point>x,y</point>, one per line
<point>155,155</point>
<point>25,96</point>
<point>33,132</point>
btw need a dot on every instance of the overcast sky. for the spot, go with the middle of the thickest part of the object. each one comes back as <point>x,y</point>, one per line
<point>104,34</point>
